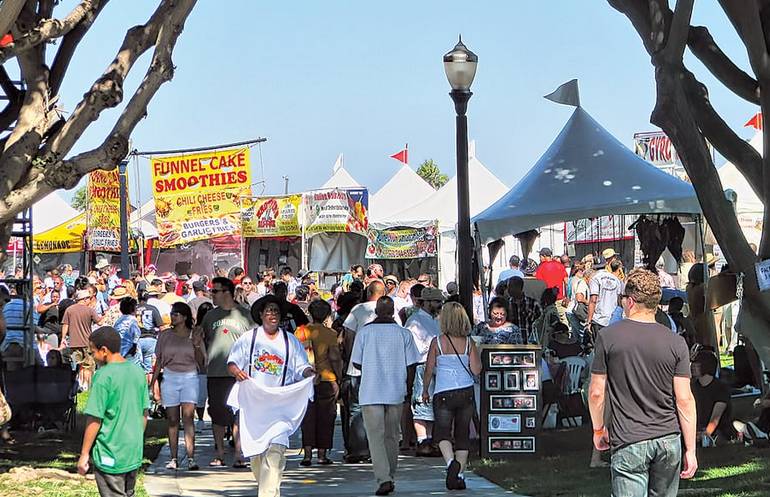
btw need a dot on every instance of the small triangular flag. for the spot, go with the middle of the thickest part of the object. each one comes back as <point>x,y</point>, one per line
<point>755,122</point>
<point>566,94</point>
<point>402,156</point>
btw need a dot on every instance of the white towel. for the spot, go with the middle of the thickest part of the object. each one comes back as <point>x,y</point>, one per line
<point>269,414</point>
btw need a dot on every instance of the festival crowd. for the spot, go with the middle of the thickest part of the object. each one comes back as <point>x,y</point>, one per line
<point>399,358</point>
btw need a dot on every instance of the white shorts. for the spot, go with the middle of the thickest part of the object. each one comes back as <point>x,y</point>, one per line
<point>179,388</point>
<point>203,390</point>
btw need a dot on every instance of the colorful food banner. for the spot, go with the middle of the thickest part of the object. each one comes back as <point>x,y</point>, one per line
<point>338,210</point>
<point>103,211</point>
<point>402,243</point>
<point>267,217</point>
<point>64,238</point>
<point>197,197</point>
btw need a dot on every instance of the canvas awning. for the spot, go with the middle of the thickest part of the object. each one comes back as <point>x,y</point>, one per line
<point>63,238</point>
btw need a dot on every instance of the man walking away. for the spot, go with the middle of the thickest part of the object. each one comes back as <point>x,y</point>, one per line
<point>551,272</point>
<point>383,351</point>
<point>646,371</point>
<point>117,415</point>
<point>605,288</point>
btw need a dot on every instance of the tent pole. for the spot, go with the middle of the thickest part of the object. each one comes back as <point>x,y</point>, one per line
<point>706,307</point>
<point>480,264</point>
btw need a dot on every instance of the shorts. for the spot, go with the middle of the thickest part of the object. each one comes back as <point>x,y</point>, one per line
<point>179,388</point>
<point>421,411</point>
<point>218,390</point>
<point>203,391</point>
<point>83,357</point>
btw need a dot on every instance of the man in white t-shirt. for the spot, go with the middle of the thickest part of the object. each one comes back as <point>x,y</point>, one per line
<point>423,324</point>
<point>272,358</point>
<point>383,351</point>
<point>605,288</point>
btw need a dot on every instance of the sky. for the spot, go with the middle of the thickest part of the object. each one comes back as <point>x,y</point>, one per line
<point>362,78</point>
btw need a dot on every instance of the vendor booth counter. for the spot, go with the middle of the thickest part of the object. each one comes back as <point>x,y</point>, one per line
<point>511,400</point>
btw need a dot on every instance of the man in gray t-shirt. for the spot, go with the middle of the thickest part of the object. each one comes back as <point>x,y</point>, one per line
<point>605,288</point>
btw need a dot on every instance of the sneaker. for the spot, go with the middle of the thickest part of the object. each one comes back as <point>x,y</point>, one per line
<point>192,465</point>
<point>424,449</point>
<point>385,488</point>
<point>754,432</point>
<point>199,426</point>
<point>172,464</point>
<point>451,474</point>
<point>460,485</point>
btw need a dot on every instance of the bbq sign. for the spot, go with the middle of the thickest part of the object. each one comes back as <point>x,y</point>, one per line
<point>197,196</point>
<point>103,211</point>
<point>269,217</point>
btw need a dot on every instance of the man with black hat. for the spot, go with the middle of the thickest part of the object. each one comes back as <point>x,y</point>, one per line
<point>270,357</point>
<point>551,272</point>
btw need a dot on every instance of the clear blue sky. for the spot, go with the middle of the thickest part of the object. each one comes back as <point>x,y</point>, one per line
<point>320,78</point>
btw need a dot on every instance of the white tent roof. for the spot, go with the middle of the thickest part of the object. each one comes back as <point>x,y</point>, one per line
<point>485,188</point>
<point>143,219</point>
<point>748,202</point>
<point>50,211</point>
<point>341,178</point>
<point>404,190</point>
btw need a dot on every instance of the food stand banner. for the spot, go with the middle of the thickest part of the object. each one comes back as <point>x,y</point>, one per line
<point>197,197</point>
<point>402,243</point>
<point>64,238</point>
<point>103,211</point>
<point>338,210</point>
<point>266,217</point>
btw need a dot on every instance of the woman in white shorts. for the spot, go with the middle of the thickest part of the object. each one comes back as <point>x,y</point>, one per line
<point>180,353</point>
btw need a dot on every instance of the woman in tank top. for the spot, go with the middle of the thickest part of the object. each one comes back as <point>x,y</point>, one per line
<point>454,359</point>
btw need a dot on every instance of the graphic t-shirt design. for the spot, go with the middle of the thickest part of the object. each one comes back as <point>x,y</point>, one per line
<point>268,363</point>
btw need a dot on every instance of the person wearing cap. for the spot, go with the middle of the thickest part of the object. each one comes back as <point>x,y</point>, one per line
<point>374,272</point>
<point>605,288</point>
<point>199,289</point>
<point>424,326</point>
<point>551,272</point>
<point>610,255</point>
<point>391,286</point>
<point>513,270</point>
<point>77,323</point>
<point>270,357</point>
<point>111,316</point>
<point>154,293</point>
<point>383,351</point>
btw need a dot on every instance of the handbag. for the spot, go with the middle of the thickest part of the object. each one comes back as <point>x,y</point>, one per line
<point>581,311</point>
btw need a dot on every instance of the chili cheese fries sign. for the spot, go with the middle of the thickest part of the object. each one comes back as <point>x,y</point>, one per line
<point>197,197</point>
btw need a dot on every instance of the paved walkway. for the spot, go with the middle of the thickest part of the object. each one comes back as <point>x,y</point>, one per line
<point>415,477</point>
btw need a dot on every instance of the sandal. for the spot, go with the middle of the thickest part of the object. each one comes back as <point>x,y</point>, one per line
<point>306,462</point>
<point>192,465</point>
<point>240,465</point>
<point>217,463</point>
<point>172,464</point>
<point>325,461</point>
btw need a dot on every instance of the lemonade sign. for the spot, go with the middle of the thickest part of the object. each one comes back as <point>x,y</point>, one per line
<point>267,217</point>
<point>197,197</point>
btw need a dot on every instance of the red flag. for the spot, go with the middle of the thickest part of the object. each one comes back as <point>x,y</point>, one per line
<point>755,122</point>
<point>403,155</point>
<point>6,40</point>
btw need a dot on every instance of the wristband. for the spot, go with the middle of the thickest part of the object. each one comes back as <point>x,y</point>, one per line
<point>600,431</point>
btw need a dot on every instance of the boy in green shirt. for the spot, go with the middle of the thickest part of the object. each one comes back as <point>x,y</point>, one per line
<point>117,416</point>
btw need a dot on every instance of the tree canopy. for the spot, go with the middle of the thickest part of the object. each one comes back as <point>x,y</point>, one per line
<point>431,173</point>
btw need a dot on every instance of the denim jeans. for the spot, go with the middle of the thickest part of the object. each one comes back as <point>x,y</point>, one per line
<point>453,408</point>
<point>649,467</point>
<point>147,345</point>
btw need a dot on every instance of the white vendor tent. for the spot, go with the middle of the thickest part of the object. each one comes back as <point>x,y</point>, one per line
<point>50,211</point>
<point>748,206</point>
<point>340,178</point>
<point>402,191</point>
<point>585,173</point>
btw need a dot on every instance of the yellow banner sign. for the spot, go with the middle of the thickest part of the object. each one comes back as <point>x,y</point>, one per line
<point>197,197</point>
<point>266,217</point>
<point>103,212</point>
<point>64,238</point>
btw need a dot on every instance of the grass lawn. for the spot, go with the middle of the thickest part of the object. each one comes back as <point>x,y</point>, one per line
<point>561,469</point>
<point>61,450</point>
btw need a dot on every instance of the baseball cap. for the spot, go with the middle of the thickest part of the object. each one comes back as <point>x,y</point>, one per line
<point>198,286</point>
<point>430,293</point>
<point>545,252</point>
<point>608,253</point>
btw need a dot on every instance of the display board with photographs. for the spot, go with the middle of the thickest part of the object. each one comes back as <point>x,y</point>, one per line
<point>511,400</point>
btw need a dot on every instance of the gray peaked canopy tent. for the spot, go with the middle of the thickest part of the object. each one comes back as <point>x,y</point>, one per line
<point>585,173</point>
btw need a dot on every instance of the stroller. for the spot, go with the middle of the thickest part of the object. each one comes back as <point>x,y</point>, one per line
<point>42,397</point>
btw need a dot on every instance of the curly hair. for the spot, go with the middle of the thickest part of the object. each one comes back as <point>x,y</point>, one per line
<point>643,286</point>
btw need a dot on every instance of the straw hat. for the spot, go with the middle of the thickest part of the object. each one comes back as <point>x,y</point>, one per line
<point>119,292</point>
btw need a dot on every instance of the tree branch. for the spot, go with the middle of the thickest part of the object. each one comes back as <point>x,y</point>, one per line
<point>47,29</point>
<point>68,46</point>
<point>65,174</point>
<point>679,31</point>
<point>745,17</point>
<point>703,46</point>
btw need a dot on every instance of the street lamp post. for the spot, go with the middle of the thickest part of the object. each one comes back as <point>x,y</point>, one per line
<point>460,67</point>
<point>123,217</point>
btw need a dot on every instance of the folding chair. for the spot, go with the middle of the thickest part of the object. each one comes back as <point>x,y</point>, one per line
<point>572,390</point>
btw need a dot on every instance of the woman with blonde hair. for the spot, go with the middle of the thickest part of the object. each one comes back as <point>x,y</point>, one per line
<point>131,289</point>
<point>455,360</point>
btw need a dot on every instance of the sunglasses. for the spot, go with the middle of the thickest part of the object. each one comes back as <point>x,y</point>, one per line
<point>245,282</point>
